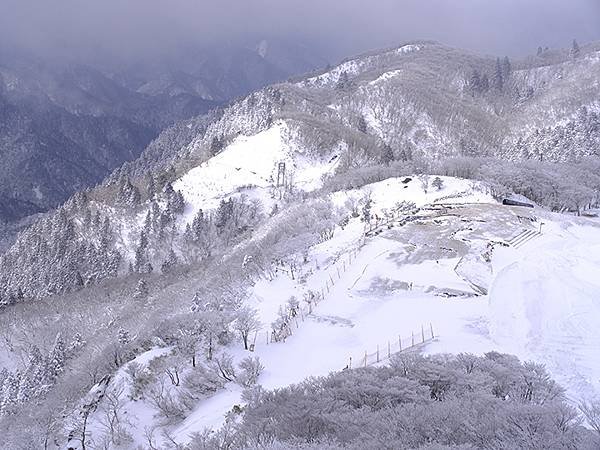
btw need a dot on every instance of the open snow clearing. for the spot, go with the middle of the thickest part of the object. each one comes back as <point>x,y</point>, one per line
<point>479,275</point>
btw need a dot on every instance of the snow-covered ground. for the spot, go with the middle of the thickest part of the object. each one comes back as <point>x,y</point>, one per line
<point>542,302</point>
<point>250,165</point>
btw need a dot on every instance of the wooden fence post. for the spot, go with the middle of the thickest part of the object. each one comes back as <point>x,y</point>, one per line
<point>389,350</point>
<point>365,358</point>
<point>412,333</point>
<point>422,334</point>
<point>331,278</point>
<point>338,272</point>
<point>377,352</point>
<point>400,342</point>
<point>431,327</point>
<point>350,363</point>
<point>267,337</point>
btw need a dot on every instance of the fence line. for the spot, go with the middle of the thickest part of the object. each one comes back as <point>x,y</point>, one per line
<point>284,326</point>
<point>385,352</point>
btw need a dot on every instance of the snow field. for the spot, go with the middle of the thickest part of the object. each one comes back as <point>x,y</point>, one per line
<point>250,165</point>
<point>543,302</point>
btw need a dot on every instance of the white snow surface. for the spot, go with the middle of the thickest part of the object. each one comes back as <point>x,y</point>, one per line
<point>544,305</point>
<point>250,164</point>
<point>543,300</point>
<point>356,66</point>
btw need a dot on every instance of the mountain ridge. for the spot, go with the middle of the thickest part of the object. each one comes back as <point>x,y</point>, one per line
<point>395,106</point>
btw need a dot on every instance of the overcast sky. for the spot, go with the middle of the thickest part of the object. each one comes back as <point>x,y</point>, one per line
<point>337,28</point>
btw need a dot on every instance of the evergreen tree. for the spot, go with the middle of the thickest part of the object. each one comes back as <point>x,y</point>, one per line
<point>141,290</point>
<point>175,201</point>
<point>498,76</point>
<point>362,124</point>
<point>56,359</point>
<point>366,211</point>
<point>575,50</point>
<point>10,392</point>
<point>141,262</point>
<point>123,337</point>
<point>485,83</point>
<point>224,214</point>
<point>151,186</point>
<point>170,262</point>
<point>343,81</point>
<point>128,195</point>
<point>217,144</point>
<point>31,381</point>
<point>475,82</point>
<point>387,154</point>
<point>506,68</point>
<point>76,344</point>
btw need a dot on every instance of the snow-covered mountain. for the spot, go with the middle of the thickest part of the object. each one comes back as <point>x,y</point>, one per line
<point>314,221</point>
<point>64,126</point>
<point>413,103</point>
<point>479,276</point>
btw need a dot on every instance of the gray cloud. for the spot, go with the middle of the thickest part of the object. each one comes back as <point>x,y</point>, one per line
<point>131,29</point>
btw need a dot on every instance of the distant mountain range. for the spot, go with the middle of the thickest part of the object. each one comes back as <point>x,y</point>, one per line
<point>65,126</point>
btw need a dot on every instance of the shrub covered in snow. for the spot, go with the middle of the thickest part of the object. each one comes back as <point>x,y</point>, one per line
<point>463,401</point>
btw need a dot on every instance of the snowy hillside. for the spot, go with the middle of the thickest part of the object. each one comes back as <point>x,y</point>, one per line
<point>250,165</point>
<point>313,226</point>
<point>370,291</point>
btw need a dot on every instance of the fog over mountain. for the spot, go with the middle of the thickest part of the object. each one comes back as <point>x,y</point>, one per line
<point>115,30</point>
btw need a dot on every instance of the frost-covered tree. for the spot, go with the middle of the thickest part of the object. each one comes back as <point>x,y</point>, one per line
<point>245,323</point>
<point>128,195</point>
<point>170,262</point>
<point>387,154</point>
<point>31,383</point>
<point>56,359</point>
<point>142,261</point>
<point>438,183</point>
<point>10,392</point>
<point>250,369</point>
<point>123,337</point>
<point>425,402</point>
<point>362,124</point>
<point>575,50</point>
<point>217,144</point>
<point>498,79</point>
<point>367,203</point>
<point>175,201</point>
<point>141,290</point>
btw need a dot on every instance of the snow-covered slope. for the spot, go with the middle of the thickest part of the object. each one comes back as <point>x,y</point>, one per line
<point>545,304</point>
<point>372,285</point>
<point>251,163</point>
